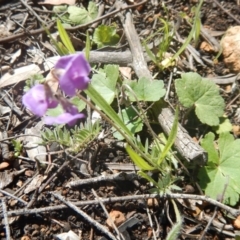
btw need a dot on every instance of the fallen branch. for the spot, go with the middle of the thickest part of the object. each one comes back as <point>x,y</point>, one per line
<point>232,211</point>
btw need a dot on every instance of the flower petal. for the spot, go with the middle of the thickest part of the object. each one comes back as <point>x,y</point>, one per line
<point>80,65</point>
<point>35,100</point>
<point>63,61</point>
<point>63,119</point>
<point>38,99</point>
<point>68,106</point>
<point>76,73</point>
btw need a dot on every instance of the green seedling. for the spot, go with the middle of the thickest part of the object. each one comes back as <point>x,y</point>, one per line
<point>105,36</point>
<point>17,148</point>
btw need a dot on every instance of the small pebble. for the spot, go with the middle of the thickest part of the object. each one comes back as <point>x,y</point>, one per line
<point>152,202</point>
<point>4,165</point>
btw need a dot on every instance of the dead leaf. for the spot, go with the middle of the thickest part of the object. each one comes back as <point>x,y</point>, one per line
<point>205,46</point>
<point>4,28</point>
<point>126,72</point>
<point>70,235</point>
<point>36,54</point>
<point>6,177</point>
<point>4,110</point>
<point>52,81</point>
<point>117,218</point>
<point>32,144</point>
<point>23,73</point>
<point>34,184</point>
<point>15,55</point>
<point>58,2</point>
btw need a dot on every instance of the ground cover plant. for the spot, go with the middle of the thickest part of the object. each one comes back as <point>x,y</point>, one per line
<point>123,133</point>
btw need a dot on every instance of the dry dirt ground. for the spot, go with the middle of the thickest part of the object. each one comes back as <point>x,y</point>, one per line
<point>30,208</point>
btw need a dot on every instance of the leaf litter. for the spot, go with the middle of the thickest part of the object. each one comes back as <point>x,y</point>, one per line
<point>222,148</point>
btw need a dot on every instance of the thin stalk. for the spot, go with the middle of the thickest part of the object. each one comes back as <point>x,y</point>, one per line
<point>129,140</point>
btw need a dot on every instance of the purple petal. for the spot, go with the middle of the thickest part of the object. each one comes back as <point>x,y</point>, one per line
<point>35,100</point>
<point>68,107</point>
<point>38,99</point>
<point>63,61</point>
<point>69,84</point>
<point>63,119</point>
<point>79,65</point>
<point>76,73</point>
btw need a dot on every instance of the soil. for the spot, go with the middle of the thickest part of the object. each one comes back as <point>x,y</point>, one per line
<point>29,209</point>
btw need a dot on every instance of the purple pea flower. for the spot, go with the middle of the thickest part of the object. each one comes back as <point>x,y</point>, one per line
<point>73,70</point>
<point>38,99</point>
<point>70,116</point>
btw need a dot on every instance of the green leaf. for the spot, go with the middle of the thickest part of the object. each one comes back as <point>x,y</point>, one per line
<point>176,229</point>
<point>170,140</point>
<point>192,33</point>
<point>203,94</point>
<point>131,120</point>
<point>223,168</point>
<point>78,103</point>
<point>105,82</point>
<point>224,126</point>
<point>101,102</point>
<point>88,47</point>
<point>208,144</point>
<point>81,15</point>
<point>60,48</point>
<point>60,8</point>
<point>54,112</point>
<point>146,90</point>
<point>105,36</point>
<point>64,37</point>
<point>150,53</point>
<point>140,162</point>
<point>150,179</point>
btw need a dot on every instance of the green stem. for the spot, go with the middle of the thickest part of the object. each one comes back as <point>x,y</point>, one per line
<point>111,117</point>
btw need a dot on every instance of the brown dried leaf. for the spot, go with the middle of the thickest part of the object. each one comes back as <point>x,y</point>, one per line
<point>205,46</point>
<point>117,218</point>
<point>52,81</point>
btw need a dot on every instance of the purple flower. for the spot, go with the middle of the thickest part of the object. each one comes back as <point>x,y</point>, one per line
<point>63,118</point>
<point>70,116</point>
<point>74,70</point>
<point>38,99</point>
